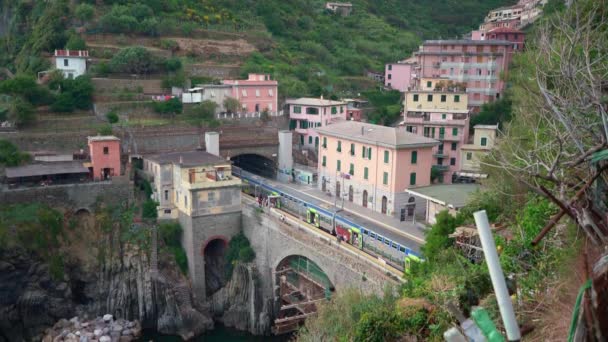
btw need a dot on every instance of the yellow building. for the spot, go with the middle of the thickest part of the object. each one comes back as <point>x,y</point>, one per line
<point>484,138</point>
<point>194,183</point>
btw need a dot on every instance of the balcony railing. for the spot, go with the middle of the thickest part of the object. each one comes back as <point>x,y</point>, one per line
<point>440,154</point>
<point>441,168</point>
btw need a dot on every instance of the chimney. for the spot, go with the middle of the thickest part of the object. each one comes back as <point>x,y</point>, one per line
<point>321,96</point>
<point>181,160</point>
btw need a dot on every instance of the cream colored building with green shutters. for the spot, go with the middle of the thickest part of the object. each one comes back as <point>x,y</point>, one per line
<point>372,165</point>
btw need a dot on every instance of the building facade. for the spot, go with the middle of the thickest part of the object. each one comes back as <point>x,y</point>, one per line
<point>256,94</point>
<point>72,63</point>
<point>484,138</point>
<point>512,35</point>
<point>105,157</point>
<point>477,65</point>
<point>198,189</point>
<point>307,114</point>
<point>216,93</point>
<point>399,76</point>
<point>440,111</point>
<point>372,165</point>
<point>342,8</point>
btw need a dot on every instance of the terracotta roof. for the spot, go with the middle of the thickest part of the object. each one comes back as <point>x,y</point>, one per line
<point>375,134</point>
<point>311,101</point>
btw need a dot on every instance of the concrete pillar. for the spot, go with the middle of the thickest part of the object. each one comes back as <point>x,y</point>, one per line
<point>212,143</point>
<point>285,160</point>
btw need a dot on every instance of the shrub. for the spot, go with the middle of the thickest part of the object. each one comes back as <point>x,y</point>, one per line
<point>134,59</point>
<point>169,44</point>
<point>173,64</point>
<point>64,103</point>
<point>75,42</point>
<point>437,238</point>
<point>239,250</point>
<point>105,130</point>
<point>148,26</point>
<point>181,259</point>
<point>56,267</point>
<point>149,209</point>
<point>172,106</point>
<point>171,233</point>
<point>84,12</point>
<point>75,94</point>
<point>112,117</point>
<point>146,187</point>
<point>10,154</point>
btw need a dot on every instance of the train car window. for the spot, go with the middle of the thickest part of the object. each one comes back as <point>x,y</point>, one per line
<point>373,236</point>
<point>402,249</point>
<point>386,242</point>
<point>395,247</point>
<point>380,238</point>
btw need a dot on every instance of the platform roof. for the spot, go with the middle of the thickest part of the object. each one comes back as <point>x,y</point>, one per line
<point>449,195</point>
<point>46,169</point>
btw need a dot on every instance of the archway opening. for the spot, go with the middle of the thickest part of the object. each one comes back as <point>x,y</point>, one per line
<point>257,164</point>
<point>302,285</point>
<point>215,276</point>
<point>384,204</point>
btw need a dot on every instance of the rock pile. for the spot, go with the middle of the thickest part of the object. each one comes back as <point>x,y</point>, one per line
<point>101,329</point>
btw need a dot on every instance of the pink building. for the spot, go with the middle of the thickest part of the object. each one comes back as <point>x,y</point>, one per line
<point>510,23</point>
<point>306,114</point>
<point>399,76</point>
<point>256,93</point>
<point>476,64</point>
<point>512,35</point>
<point>105,157</point>
<point>373,165</point>
<point>440,114</point>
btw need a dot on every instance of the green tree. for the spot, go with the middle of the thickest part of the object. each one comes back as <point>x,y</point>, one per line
<point>149,209</point>
<point>75,42</point>
<point>232,105</point>
<point>172,106</point>
<point>25,86</point>
<point>105,130</point>
<point>203,113</point>
<point>84,12</point>
<point>437,238</point>
<point>497,112</point>
<point>10,154</point>
<point>136,59</point>
<point>112,117</point>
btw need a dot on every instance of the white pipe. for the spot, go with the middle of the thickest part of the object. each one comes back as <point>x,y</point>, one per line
<point>498,278</point>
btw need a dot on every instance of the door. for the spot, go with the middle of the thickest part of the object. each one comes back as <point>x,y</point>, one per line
<point>350,193</point>
<point>257,107</point>
<point>411,206</point>
<point>317,143</point>
<point>365,198</point>
<point>402,216</point>
<point>337,189</point>
<point>384,204</point>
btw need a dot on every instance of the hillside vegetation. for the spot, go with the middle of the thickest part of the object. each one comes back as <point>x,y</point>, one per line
<point>308,49</point>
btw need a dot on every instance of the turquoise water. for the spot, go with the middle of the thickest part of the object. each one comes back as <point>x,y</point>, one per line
<point>219,334</point>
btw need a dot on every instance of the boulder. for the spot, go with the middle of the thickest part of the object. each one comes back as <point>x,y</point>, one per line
<point>107,318</point>
<point>97,332</point>
<point>105,338</point>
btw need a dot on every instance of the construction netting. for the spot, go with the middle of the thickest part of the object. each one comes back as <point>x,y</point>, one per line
<point>303,266</point>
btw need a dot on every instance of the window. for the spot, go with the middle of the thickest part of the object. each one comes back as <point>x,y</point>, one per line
<point>413,178</point>
<point>479,72</point>
<point>415,97</point>
<point>352,149</point>
<point>244,92</point>
<point>341,109</point>
<point>443,98</point>
<point>365,172</point>
<point>444,116</point>
<point>257,92</point>
<point>186,200</point>
<point>352,169</point>
<point>297,109</point>
<point>441,132</point>
<point>429,98</point>
<point>452,161</point>
<point>369,153</point>
<point>363,151</point>
<point>324,161</point>
<point>389,76</point>
<point>106,150</point>
<point>166,195</point>
<point>338,165</point>
<point>429,84</point>
<point>385,178</point>
<point>390,67</point>
<point>484,141</point>
<point>312,110</point>
<point>65,62</point>
<point>454,146</point>
<point>386,156</point>
<point>270,92</point>
<point>339,146</point>
<point>211,196</point>
<point>414,157</point>
<point>167,211</point>
<point>334,110</point>
<point>310,139</point>
<point>469,155</point>
<point>324,142</point>
<point>389,84</point>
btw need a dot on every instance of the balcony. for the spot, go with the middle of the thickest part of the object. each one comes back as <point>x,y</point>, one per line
<point>301,130</point>
<point>448,137</point>
<point>441,168</point>
<point>440,154</point>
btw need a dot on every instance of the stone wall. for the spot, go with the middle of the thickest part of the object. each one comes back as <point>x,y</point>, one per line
<point>72,196</point>
<point>197,232</point>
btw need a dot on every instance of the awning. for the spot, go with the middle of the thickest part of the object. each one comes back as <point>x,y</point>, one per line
<point>477,175</point>
<point>46,169</point>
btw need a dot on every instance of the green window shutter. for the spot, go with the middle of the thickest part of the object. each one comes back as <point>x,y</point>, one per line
<point>414,157</point>
<point>385,178</point>
<point>324,160</point>
<point>413,178</point>
<point>297,109</point>
<point>415,97</point>
<point>334,110</point>
<point>484,141</point>
<point>386,156</point>
<point>365,173</point>
<point>352,149</point>
<point>324,142</point>
<point>310,139</point>
<point>369,153</point>
<point>456,98</point>
<point>338,166</point>
<point>352,169</point>
<point>339,146</point>
<point>455,131</point>
<point>363,148</point>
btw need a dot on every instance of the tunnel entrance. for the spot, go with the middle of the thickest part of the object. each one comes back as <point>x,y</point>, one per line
<point>302,285</point>
<point>215,275</point>
<point>257,164</point>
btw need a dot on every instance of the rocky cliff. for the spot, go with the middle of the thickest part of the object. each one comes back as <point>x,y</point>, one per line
<point>31,300</point>
<point>240,304</point>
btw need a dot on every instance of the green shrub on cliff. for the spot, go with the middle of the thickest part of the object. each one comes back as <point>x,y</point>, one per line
<point>239,250</point>
<point>171,235</point>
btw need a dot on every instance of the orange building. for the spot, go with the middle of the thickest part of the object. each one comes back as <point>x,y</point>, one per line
<point>105,157</point>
